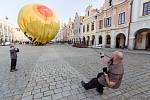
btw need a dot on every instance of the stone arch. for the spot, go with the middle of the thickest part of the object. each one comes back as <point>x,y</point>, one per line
<point>120,40</point>
<point>100,40</point>
<point>142,39</point>
<point>93,39</point>
<point>74,40</point>
<point>108,41</point>
<point>77,40</point>
<point>84,40</point>
<point>88,40</point>
<point>80,40</point>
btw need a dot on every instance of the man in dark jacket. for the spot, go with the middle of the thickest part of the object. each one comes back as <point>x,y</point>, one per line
<point>110,77</point>
<point>13,56</point>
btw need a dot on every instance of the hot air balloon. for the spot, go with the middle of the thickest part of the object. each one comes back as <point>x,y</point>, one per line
<point>39,23</point>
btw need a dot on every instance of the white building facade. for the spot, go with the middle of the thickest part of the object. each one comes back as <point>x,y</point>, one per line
<point>89,26</point>
<point>9,33</point>
<point>6,30</point>
<point>140,25</point>
<point>77,28</point>
<point>60,34</point>
<point>70,31</point>
<point>18,36</point>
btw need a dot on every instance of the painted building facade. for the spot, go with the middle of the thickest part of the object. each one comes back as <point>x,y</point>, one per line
<point>107,26</point>
<point>89,25</point>
<point>117,24</point>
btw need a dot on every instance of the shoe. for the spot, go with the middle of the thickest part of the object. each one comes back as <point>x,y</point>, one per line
<point>15,69</point>
<point>83,84</point>
<point>99,91</point>
<point>12,70</point>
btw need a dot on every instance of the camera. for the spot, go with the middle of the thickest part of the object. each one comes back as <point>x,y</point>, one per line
<point>105,70</point>
<point>101,55</point>
<point>17,50</point>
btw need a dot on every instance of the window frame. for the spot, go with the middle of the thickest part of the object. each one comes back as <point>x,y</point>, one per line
<point>92,26</point>
<point>100,24</point>
<point>83,28</point>
<point>146,9</point>
<point>122,18</point>
<point>108,21</point>
<point>87,28</point>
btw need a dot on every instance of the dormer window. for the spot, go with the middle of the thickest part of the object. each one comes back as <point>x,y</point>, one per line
<point>110,2</point>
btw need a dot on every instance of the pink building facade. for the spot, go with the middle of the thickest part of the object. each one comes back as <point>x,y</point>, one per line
<point>110,24</point>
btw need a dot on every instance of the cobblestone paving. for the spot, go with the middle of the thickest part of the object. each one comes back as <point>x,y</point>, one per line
<point>54,73</point>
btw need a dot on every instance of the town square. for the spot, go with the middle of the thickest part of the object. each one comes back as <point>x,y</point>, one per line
<point>44,56</point>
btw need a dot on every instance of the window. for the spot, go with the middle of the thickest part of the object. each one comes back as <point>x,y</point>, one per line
<point>87,27</point>
<point>121,18</point>
<point>146,8</point>
<point>108,22</point>
<point>148,38</point>
<point>83,28</point>
<point>92,26</point>
<point>100,24</point>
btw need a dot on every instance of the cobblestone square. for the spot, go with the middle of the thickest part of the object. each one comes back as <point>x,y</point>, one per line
<point>54,72</point>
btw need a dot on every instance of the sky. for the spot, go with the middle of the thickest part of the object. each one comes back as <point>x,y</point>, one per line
<point>63,8</point>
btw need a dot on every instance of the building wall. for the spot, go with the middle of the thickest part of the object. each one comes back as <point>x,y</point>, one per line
<point>10,33</point>
<point>115,29</point>
<point>141,41</point>
<point>89,19</point>
<point>18,35</point>
<point>6,31</point>
<point>138,22</point>
<point>70,29</point>
<point>77,27</point>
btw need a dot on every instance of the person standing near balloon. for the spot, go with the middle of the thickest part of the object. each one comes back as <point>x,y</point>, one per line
<point>13,56</point>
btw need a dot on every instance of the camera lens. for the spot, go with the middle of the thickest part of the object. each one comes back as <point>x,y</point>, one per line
<point>102,56</point>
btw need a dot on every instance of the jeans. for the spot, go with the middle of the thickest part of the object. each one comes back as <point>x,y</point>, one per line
<point>13,64</point>
<point>95,84</point>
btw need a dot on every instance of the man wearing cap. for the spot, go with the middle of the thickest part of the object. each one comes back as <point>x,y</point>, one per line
<point>13,55</point>
<point>110,77</point>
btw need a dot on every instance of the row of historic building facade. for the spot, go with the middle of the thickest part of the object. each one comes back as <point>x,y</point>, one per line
<point>117,24</point>
<point>10,33</point>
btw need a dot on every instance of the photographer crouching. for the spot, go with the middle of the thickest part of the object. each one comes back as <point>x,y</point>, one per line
<point>110,77</point>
